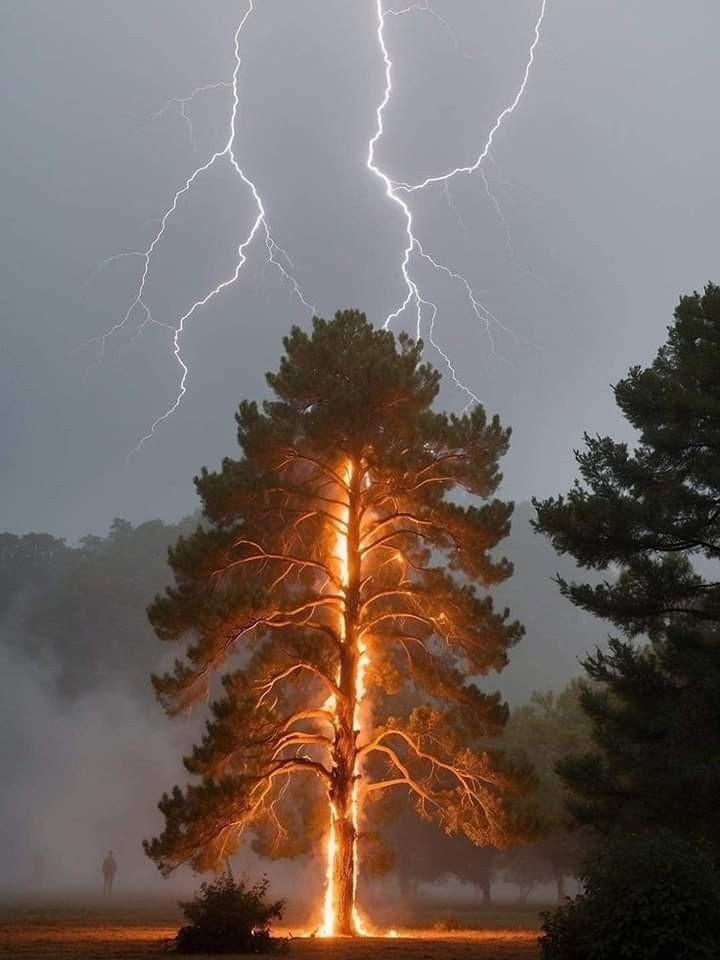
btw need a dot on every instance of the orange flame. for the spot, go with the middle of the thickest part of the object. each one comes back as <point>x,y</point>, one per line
<point>328,925</point>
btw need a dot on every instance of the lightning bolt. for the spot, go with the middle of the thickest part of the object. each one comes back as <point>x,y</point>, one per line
<point>397,191</point>
<point>260,225</point>
<point>393,188</point>
<point>500,119</point>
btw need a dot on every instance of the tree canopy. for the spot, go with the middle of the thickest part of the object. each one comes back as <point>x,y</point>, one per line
<point>650,514</point>
<point>342,554</point>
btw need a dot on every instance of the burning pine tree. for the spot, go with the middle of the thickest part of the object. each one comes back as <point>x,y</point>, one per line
<point>337,559</point>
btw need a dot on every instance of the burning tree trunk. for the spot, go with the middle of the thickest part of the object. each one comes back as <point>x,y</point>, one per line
<point>340,915</point>
<point>316,556</point>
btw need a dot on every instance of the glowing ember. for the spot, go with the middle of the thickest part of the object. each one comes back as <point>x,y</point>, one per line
<point>327,928</point>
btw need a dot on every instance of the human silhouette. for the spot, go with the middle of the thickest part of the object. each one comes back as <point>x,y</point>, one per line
<point>109,868</point>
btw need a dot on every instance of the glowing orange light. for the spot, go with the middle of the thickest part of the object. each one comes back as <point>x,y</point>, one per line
<point>329,917</point>
<point>328,926</point>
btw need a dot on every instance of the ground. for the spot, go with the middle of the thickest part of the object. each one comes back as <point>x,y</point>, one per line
<point>97,930</point>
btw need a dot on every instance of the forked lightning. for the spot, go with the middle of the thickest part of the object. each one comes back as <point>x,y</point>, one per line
<point>397,191</point>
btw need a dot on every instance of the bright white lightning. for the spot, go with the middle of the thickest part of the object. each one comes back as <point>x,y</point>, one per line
<point>413,291</point>
<point>413,252</point>
<point>501,117</point>
<point>260,225</point>
<point>393,187</point>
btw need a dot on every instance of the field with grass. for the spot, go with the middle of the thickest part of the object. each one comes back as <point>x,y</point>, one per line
<point>136,930</point>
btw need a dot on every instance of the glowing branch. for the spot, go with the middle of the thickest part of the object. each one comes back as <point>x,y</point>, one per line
<point>268,686</point>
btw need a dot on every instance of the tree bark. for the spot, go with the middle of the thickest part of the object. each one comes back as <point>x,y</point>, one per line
<point>345,746</point>
<point>344,880</point>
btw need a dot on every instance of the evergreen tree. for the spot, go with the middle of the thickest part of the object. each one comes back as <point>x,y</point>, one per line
<point>340,555</point>
<point>652,514</point>
<point>656,720</point>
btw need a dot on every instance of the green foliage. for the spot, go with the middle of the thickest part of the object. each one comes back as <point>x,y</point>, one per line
<point>227,916</point>
<point>651,513</point>
<point>655,760</point>
<point>27,563</point>
<point>349,433</point>
<point>651,509</point>
<point>646,897</point>
<point>82,608</point>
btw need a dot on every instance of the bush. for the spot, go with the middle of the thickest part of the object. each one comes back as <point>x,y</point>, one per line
<point>646,897</point>
<point>229,917</point>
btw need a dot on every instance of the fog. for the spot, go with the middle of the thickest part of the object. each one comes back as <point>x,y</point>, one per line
<point>85,778</point>
<point>87,750</point>
<point>83,775</point>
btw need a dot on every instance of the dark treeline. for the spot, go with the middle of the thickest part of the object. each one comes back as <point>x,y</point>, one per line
<point>83,607</point>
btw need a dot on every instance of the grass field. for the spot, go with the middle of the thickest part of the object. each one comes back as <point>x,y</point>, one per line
<point>139,930</point>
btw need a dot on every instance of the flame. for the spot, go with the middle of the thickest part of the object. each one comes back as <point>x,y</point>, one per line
<point>329,915</point>
<point>327,927</point>
<point>360,690</point>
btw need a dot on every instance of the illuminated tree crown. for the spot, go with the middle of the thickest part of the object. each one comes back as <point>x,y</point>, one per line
<point>338,564</point>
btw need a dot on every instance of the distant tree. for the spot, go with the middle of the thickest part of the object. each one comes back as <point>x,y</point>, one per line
<point>421,854</point>
<point>337,556</point>
<point>542,733</point>
<point>26,563</point>
<point>88,613</point>
<point>652,514</point>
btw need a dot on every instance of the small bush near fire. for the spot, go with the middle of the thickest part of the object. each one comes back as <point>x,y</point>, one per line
<point>651,898</point>
<point>229,917</point>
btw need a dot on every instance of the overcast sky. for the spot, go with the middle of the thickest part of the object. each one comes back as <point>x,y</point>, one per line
<point>606,175</point>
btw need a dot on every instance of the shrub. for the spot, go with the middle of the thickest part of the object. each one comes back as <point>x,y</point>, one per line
<point>229,917</point>
<point>646,898</point>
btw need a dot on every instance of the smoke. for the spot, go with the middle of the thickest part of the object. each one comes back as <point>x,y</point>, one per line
<point>83,777</point>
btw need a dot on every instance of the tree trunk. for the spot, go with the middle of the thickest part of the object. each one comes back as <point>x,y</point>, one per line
<point>342,806</point>
<point>345,746</point>
<point>344,879</point>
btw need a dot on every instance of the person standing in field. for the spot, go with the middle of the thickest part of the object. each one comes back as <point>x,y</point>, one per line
<point>109,869</point>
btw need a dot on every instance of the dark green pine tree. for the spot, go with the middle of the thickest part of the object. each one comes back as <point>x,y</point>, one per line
<point>651,515</point>
<point>340,556</point>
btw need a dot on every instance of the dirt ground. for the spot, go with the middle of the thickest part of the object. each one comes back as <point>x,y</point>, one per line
<point>141,931</point>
